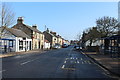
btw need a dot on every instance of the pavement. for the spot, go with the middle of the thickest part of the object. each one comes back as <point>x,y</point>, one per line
<point>106,61</point>
<point>19,53</point>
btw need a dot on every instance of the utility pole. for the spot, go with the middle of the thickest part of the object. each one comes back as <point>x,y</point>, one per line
<point>45,28</point>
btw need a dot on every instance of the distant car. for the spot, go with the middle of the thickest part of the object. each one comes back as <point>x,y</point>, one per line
<point>64,46</point>
<point>56,46</point>
<point>78,47</point>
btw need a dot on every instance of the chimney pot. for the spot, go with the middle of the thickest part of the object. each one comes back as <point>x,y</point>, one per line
<point>20,20</point>
<point>34,26</point>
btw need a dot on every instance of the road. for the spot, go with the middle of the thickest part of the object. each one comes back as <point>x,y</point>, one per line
<point>59,63</point>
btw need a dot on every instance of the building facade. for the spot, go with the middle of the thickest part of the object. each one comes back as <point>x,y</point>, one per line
<point>14,40</point>
<point>50,37</point>
<point>36,36</point>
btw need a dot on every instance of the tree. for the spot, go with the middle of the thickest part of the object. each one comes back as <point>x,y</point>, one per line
<point>106,26</point>
<point>91,34</point>
<point>6,17</point>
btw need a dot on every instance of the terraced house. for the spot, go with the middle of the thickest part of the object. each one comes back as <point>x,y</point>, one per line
<point>50,37</point>
<point>14,40</point>
<point>36,35</point>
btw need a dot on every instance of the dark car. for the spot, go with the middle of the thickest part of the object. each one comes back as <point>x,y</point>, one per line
<point>64,46</point>
<point>77,47</point>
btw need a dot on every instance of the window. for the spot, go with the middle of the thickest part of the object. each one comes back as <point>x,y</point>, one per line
<point>20,45</point>
<point>10,43</point>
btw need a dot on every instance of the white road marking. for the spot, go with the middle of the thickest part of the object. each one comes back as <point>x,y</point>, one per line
<point>78,62</point>
<point>89,62</point>
<point>25,62</point>
<point>63,66</point>
<point>82,63</point>
<point>17,56</point>
<point>81,59</point>
<point>64,61</point>
<point>2,71</point>
<point>28,61</point>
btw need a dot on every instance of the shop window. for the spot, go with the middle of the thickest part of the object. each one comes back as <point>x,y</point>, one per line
<point>20,45</point>
<point>10,43</point>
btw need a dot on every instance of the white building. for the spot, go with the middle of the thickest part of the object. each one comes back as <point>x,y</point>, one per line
<point>95,43</point>
<point>46,44</point>
<point>14,40</point>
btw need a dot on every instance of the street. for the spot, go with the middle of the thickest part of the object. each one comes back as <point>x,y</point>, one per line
<point>58,63</point>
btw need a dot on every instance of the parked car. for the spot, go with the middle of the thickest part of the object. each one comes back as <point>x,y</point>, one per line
<point>56,46</point>
<point>64,46</point>
<point>77,47</point>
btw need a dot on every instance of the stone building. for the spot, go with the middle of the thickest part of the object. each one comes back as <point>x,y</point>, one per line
<point>36,36</point>
<point>50,37</point>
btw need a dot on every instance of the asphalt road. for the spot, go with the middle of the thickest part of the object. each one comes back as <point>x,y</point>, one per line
<point>60,63</point>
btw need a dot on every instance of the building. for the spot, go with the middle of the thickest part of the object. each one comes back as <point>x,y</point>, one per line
<point>59,39</point>
<point>46,44</point>
<point>50,37</point>
<point>14,40</point>
<point>36,36</point>
<point>111,45</point>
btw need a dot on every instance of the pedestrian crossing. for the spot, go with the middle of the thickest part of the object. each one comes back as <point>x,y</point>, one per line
<point>71,62</point>
<point>77,60</point>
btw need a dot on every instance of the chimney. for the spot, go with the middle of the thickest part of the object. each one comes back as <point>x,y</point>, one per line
<point>47,30</point>
<point>20,20</point>
<point>34,26</point>
<point>54,33</point>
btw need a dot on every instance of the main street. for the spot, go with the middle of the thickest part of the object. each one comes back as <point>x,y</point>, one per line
<point>59,63</point>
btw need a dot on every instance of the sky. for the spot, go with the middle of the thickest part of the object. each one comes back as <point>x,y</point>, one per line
<point>68,19</point>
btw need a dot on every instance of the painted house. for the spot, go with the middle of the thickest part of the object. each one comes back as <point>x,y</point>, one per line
<point>36,35</point>
<point>14,40</point>
<point>46,44</point>
<point>50,37</point>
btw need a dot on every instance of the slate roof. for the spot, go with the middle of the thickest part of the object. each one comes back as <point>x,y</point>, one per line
<point>34,29</point>
<point>31,28</point>
<point>46,41</point>
<point>17,32</point>
<point>49,33</point>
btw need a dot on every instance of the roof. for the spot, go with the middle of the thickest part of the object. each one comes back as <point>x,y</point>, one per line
<point>17,32</point>
<point>34,29</point>
<point>31,28</point>
<point>46,41</point>
<point>49,33</point>
<point>112,37</point>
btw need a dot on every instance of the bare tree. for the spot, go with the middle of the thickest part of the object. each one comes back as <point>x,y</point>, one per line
<point>106,26</point>
<point>91,34</point>
<point>6,15</point>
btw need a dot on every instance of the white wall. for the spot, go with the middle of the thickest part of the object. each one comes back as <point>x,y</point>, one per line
<point>24,45</point>
<point>46,45</point>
